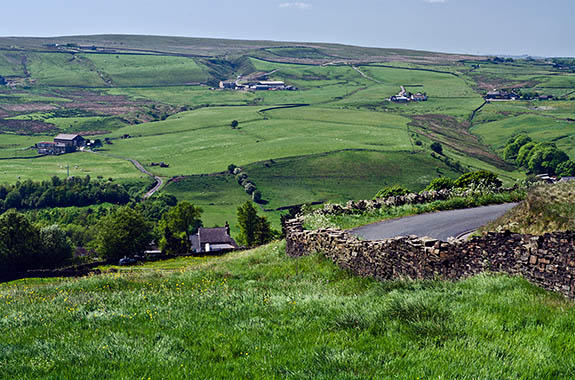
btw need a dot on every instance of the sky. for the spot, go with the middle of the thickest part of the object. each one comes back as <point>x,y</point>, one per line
<point>504,27</point>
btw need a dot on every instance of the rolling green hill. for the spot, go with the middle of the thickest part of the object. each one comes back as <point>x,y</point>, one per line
<point>344,140</point>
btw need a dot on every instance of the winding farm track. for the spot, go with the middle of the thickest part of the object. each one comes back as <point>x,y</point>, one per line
<point>365,75</point>
<point>140,167</point>
<point>438,225</point>
<point>159,180</point>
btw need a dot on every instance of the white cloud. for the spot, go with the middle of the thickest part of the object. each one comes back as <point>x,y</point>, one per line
<point>297,5</point>
<point>435,1</point>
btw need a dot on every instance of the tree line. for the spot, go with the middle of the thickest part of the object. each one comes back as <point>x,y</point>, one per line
<point>56,192</point>
<point>48,238</point>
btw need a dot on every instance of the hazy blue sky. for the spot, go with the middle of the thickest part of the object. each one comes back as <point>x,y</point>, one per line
<point>535,27</point>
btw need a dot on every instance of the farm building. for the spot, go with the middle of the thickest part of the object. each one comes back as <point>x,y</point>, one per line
<point>63,143</point>
<point>213,240</point>
<point>49,147</point>
<point>501,95</point>
<point>227,85</point>
<point>419,97</point>
<point>69,140</point>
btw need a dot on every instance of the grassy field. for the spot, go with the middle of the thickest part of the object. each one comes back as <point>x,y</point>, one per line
<point>80,164</point>
<point>195,142</point>
<point>109,87</point>
<point>259,314</point>
<point>538,127</point>
<point>341,176</point>
<point>132,70</point>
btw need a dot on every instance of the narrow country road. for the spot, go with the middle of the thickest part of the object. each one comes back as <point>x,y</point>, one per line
<point>159,180</point>
<point>140,167</point>
<point>439,225</point>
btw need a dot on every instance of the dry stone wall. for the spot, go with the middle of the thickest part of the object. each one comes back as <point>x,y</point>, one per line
<point>547,260</point>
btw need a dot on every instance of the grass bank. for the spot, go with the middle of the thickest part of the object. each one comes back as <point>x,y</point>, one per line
<point>546,208</point>
<point>259,314</point>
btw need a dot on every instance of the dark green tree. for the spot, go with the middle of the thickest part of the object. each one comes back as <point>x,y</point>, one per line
<point>123,233</point>
<point>436,147</point>
<point>20,246</point>
<point>248,222</point>
<point>177,225</point>
<point>56,246</point>
<point>513,146</point>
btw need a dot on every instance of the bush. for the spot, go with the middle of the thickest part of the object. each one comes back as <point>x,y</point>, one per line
<point>257,196</point>
<point>436,147</point>
<point>481,177</point>
<point>440,183</point>
<point>392,191</point>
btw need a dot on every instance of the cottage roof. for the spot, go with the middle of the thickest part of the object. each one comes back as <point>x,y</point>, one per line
<point>65,136</point>
<point>216,235</point>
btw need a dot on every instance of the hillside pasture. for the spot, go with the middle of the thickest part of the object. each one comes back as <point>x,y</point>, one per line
<point>260,314</point>
<point>199,149</point>
<point>340,176</point>
<point>148,70</point>
<point>65,70</point>
<point>81,164</point>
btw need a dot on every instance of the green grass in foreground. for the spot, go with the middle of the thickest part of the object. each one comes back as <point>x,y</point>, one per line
<point>259,314</point>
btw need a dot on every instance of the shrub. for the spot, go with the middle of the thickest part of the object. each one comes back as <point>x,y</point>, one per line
<point>481,177</point>
<point>440,183</point>
<point>436,147</point>
<point>391,191</point>
<point>257,196</point>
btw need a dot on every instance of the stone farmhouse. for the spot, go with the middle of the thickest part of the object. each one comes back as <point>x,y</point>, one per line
<point>63,143</point>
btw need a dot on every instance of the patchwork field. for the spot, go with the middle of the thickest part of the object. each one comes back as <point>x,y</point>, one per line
<point>343,141</point>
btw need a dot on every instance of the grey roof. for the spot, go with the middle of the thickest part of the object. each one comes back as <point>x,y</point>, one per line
<point>216,235</point>
<point>66,136</point>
